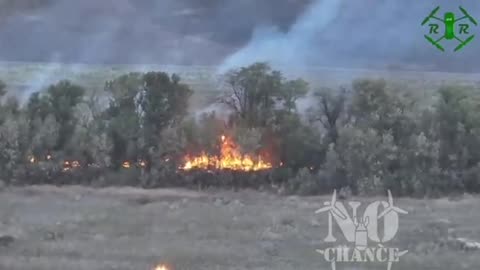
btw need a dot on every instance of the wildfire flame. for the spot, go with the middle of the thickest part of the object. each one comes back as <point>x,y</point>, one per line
<point>230,158</point>
<point>161,267</point>
<point>126,164</point>
<point>67,165</point>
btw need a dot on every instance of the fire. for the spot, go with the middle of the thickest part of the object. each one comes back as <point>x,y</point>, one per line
<point>126,165</point>
<point>230,158</point>
<point>161,267</point>
<point>67,165</point>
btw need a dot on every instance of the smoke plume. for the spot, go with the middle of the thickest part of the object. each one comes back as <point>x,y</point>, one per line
<point>359,34</point>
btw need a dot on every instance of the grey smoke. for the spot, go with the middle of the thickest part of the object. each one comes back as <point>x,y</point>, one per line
<point>182,32</point>
<point>358,34</point>
<point>332,33</point>
<point>269,44</point>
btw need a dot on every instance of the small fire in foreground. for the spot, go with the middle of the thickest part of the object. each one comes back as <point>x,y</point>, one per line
<point>230,158</point>
<point>161,267</point>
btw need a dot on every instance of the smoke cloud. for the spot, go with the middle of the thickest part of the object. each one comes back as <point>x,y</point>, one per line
<point>229,33</point>
<point>269,44</point>
<point>359,34</point>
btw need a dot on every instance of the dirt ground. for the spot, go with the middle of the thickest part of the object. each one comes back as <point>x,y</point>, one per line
<point>77,228</point>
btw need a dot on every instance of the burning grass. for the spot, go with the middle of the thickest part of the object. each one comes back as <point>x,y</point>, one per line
<point>231,167</point>
<point>230,158</point>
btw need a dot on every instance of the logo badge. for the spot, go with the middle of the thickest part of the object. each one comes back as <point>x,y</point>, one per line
<point>360,230</point>
<point>454,28</point>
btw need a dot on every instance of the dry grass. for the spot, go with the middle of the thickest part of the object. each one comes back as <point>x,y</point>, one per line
<point>22,77</point>
<point>205,78</point>
<point>80,228</point>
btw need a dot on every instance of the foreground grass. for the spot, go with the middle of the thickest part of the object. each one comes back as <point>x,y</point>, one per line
<point>79,228</point>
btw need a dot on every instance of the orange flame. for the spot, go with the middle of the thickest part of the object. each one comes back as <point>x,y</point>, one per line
<point>126,164</point>
<point>161,267</point>
<point>230,158</point>
<point>67,165</point>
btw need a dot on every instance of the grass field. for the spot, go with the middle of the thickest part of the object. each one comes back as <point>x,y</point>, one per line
<point>20,74</point>
<point>80,228</point>
<point>22,78</point>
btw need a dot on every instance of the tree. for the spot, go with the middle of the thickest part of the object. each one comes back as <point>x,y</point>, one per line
<point>291,92</point>
<point>60,101</point>
<point>298,145</point>
<point>384,107</point>
<point>458,125</point>
<point>3,90</point>
<point>367,157</point>
<point>142,106</point>
<point>37,106</point>
<point>252,94</point>
<point>2,93</point>
<point>123,117</point>
<point>44,135</point>
<point>164,102</point>
<point>11,135</point>
<point>90,142</point>
<point>331,106</point>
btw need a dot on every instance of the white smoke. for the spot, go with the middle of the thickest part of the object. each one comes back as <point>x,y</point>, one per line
<point>268,44</point>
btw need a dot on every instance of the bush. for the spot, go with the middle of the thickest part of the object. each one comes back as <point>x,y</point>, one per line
<point>373,138</point>
<point>305,182</point>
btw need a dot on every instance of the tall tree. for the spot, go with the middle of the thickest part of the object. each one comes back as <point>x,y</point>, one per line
<point>253,91</point>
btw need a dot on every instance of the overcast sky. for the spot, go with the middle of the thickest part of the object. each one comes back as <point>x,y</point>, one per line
<point>345,33</point>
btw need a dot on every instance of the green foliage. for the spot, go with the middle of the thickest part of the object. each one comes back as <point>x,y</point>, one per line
<point>203,134</point>
<point>248,139</point>
<point>123,117</point>
<point>142,106</point>
<point>45,135</point>
<point>59,101</point>
<point>298,144</point>
<point>10,151</point>
<point>291,92</point>
<point>330,110</point>
<point>367,158</point>
<point>367,140</point>
<point>306,183</point>
<point>3,87</point>
<point>376,105</point>
<point>164,102</point>
<point>255,90</point>
<point>458,125</point>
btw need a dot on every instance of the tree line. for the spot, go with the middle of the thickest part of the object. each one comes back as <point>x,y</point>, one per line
<point>365,138</point>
